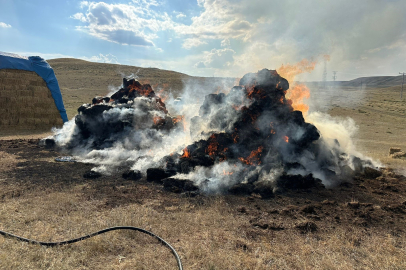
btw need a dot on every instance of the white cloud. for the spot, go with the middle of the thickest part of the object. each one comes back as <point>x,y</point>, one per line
<point>84,4</point>
<point>217,59</point>
<point>180,15</point>
<point>45,55</point>
<point>218,20</point>
<point>225,43</point>
<point>128,24</point>
<point>79,16</point>
<point>263,33</point>
<point>4,25</point>
<point>192,42</point>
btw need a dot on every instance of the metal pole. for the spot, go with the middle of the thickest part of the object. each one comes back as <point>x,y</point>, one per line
<point>403,81</point>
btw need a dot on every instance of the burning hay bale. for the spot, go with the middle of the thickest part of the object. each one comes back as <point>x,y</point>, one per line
<point>100,123</point>
<point>264,144</point>
<point>250,139</point>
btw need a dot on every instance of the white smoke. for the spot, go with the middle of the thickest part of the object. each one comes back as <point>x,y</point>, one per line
<point>217,178</point>
<point>145,147</point>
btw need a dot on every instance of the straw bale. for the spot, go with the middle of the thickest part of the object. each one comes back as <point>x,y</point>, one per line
<point>40,92</point>
<point>38,83</point>
<point>22,121</point>
<point>37,121</point>
<point>4,121</point>
<point>5,93</point>
<point>26,102</point>
<point>30,121</point>
<point>23,93</point>
<point>13,81</point>
<point>45,121</point>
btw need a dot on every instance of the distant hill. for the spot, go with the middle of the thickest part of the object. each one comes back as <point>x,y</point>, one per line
<point>374,82</point>
<point>81,80</point>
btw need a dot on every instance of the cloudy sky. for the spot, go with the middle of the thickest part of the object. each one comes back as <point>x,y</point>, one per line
<point>214,37</point>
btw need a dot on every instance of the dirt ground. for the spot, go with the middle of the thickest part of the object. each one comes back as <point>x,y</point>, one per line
<point>358,225</point>
<point>354,226</point>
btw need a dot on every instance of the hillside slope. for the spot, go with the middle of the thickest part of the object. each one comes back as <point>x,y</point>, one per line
<point>375,81</point>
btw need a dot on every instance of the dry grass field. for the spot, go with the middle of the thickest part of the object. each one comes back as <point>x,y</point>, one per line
<point>380,115</point>
<point>353,226</point>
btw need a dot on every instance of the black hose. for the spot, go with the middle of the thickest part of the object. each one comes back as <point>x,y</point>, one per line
<point>53,244</point>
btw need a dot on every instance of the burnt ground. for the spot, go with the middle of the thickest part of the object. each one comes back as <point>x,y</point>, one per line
<point>369,202</point>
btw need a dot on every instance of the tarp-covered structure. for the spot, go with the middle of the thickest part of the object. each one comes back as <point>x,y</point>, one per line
<point>29,92</point>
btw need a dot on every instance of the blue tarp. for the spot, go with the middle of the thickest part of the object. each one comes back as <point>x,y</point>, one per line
<point>42,68</point>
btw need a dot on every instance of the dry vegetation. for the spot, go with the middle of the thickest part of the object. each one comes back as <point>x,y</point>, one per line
<point>354,226</point>
<point>358,226</point>
<point>380,116</point>
<point>26,102</point>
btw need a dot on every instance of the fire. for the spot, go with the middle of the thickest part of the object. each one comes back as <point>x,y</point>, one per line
<point>143,90</point>
<point>254,92</point>
<point>235,136</point>
<point>158,120</point>
<point>223,154</point>
<point>227,173</point>
<point>289,72</point>
<point>253,158</point>
<point>186,153</point>
<point>180,118</point>
<point>286,138</point>
<point>162,93</point>
<point>213,146</point>
<point>297,92</point>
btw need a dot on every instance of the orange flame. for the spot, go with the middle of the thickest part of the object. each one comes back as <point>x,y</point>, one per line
<point>212,148</point>
<point>158,120</point>
<point>223,153</point>
<point>143,90</point>
<point>235,136</point>
<point>162,92</point>
<point>186,153</point>
<point>227,173</point>
<point>253,158</point>
<point>289,72</point>
<point>297,92</point>
<point>286,138</point>
<point>177,119</point>
<point>180,118</point>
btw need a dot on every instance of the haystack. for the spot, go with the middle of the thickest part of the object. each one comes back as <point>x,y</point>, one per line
<point>26,102</point>
<point>30,97</point>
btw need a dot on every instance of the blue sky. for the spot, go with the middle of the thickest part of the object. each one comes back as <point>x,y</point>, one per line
<point>213,37</point>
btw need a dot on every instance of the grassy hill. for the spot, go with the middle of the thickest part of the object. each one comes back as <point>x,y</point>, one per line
<point>375,81</point>
<point>371,82</point>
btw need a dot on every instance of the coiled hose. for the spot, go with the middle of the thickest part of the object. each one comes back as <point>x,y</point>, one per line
<point>53,244</point>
